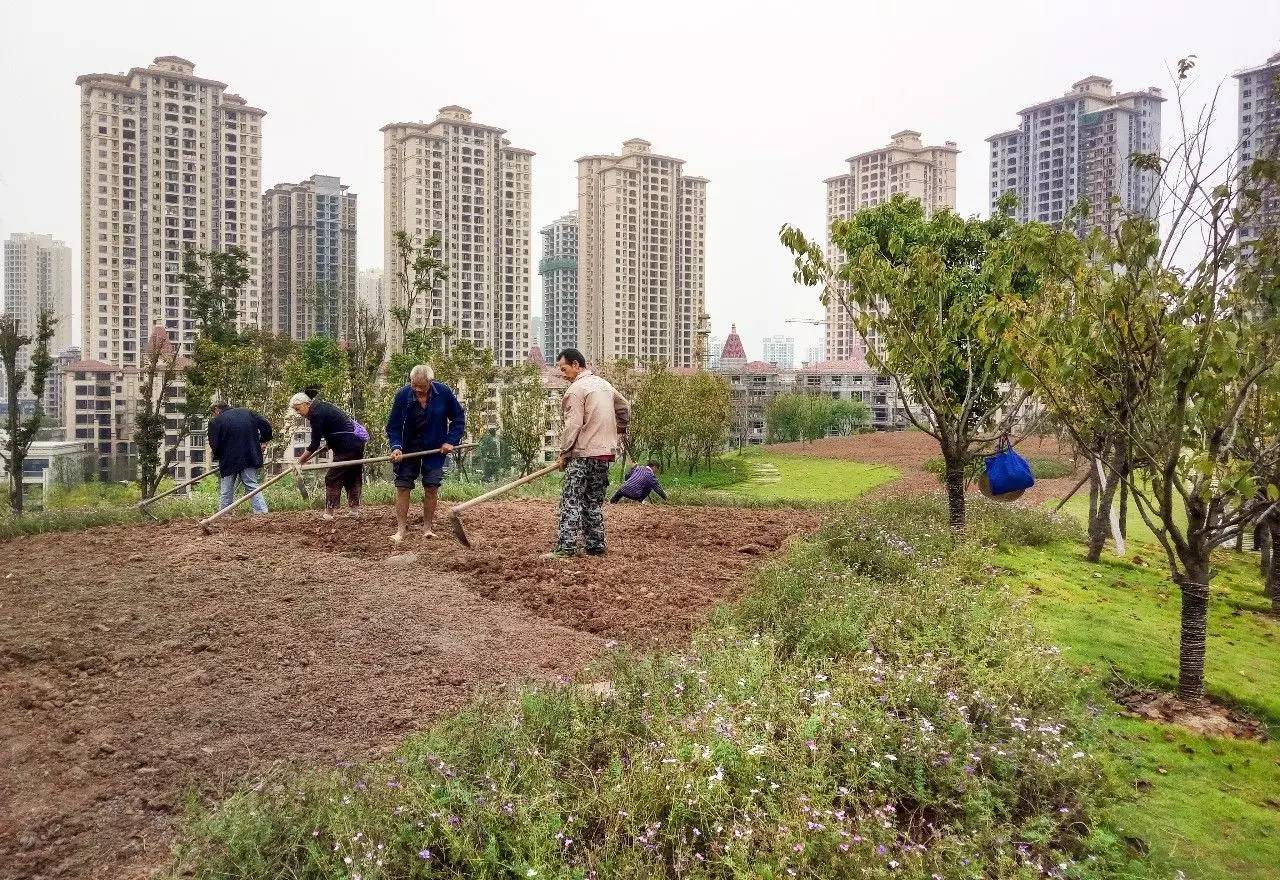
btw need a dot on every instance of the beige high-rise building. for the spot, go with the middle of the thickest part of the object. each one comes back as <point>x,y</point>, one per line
<point>169,161</point>
<point>905,166</point>
<point>463,181</point>
<point>641,258</point>
<point>37,276</point>
<point>371,289</point>
<point>309,258</point>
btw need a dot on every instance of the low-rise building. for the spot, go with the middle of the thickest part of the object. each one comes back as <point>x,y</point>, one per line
<point>854,379</point>
<point>51,463</point>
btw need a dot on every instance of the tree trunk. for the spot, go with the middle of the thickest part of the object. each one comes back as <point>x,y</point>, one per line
<point>1100,522</point>
<point>1093,494</point>
<point>1124,509</point>
<point>1194,585</point>
<point>1266,547</point>
<point>1271,586</point>
<point>955,490</point>
<point>1240,539</point>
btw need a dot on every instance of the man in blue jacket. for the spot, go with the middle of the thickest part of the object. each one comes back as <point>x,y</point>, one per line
<point>237,439</point>
<point>425,415</point>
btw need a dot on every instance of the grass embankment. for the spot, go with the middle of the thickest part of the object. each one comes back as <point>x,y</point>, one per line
<point>768,477</point>
<point>875,707</point>
<point>1211,807</point>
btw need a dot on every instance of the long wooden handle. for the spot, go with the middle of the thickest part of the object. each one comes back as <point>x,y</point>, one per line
<point>145,501</point>
<point>258,491</point>
<point>494,493</point>
<point>325,465</point>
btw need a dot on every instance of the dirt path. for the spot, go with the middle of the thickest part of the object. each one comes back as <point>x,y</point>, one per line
<point>138,661</point>
<point>907,451</point>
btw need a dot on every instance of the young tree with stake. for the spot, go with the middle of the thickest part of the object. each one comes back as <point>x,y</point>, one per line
<point>21,432</point>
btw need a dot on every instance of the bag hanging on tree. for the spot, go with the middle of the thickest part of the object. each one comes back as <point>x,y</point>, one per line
<point>1007,471</point>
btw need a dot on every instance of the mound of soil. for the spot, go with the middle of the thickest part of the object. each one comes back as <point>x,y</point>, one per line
<point>138,661</point>
<point>1205,719</point>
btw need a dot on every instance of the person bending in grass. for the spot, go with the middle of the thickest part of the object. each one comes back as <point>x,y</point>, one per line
<point>640,482</point>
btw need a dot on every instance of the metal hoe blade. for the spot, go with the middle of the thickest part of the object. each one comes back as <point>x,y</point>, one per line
<point>459,530</point>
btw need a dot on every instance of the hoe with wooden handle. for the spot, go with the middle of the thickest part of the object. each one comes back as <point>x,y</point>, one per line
<point>460,531</point>
<point>145,504</point>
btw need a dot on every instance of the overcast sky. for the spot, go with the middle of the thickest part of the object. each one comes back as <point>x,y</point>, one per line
<point>766,102</point>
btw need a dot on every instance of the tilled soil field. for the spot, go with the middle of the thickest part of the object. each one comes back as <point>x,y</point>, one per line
<point>137,663</point>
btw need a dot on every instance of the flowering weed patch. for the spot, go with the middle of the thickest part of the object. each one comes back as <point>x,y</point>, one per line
<point>876,707</point>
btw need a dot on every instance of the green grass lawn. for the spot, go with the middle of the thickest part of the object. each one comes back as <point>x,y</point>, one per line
<point>1208,807</point>
<point>804,479</point>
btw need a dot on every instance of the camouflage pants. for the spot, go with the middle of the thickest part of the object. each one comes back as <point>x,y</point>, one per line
<point>581,505</point>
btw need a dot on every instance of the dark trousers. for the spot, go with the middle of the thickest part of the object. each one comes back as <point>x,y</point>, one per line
<point>581,505</point>
<point>351,478</point>
<point>619,495</point>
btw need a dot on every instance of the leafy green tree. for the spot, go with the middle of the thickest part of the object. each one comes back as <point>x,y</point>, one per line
<point>523,413</point>
<point>212,281</point>
<point>366,347</point>
<point>160,374</point>
<point>784,419</point>
<point>419,273</point>
<point>1201,342</point>
<point>919,285</point>
<point>21,432</point>
<point>709,414</point>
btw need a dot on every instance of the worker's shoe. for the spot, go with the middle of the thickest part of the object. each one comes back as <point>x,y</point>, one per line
<point>428,533</point>
<point>353,513</point>
<point>597,551</point>
<point>559,554</point>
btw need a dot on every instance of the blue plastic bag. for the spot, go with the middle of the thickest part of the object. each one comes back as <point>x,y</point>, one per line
<point>1007,471</point>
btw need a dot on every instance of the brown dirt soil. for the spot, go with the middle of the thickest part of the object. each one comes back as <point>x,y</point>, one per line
<point>1205,719</point>
<point>907,451</point>
<point>136,662</point>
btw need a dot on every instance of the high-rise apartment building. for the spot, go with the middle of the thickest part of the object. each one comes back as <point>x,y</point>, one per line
<point>309,258</point>
<point>559,270</point>
<point>371,289</point>
<point>815,354</point>
<point>1259,120</point>
<point>780,351</point>
<point>641,258</point>
<point>905,166</point>
<point>1078,146</point>
<point>463,181</point>
<point>169,161</point>
<point>37,276</point>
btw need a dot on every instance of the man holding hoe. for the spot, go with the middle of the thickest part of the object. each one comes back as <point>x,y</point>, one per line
<point>424,415</point>
<point>595,426</point>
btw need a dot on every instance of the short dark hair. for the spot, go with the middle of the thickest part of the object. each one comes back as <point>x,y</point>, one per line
<point>220,406</point>
<point>571,356</point>
<point>653,464</point>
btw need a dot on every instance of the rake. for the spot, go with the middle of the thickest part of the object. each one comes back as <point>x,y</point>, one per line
<point>455,520</point>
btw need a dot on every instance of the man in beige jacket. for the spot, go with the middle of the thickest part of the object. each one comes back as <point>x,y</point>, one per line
<point>595,427</point>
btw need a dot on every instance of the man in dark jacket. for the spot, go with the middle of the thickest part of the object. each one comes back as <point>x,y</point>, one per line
<point>425,415</point>
<point>237,439</point>
<point>338,431</point>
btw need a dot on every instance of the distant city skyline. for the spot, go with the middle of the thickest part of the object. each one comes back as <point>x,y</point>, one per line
<point>990,69</point>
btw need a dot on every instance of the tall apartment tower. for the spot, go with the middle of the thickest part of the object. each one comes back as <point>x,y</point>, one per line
<point>780,351</point>
<point>905,166</point>
<point>559,270</point>
<point>463,181</point>
<point>37,276</point>
<point>642,258</point>
<point>1259,120</point>
<point>169,161</point>
<point>371,289</point>
<point>1078,147</point>
<point>309,258</point>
